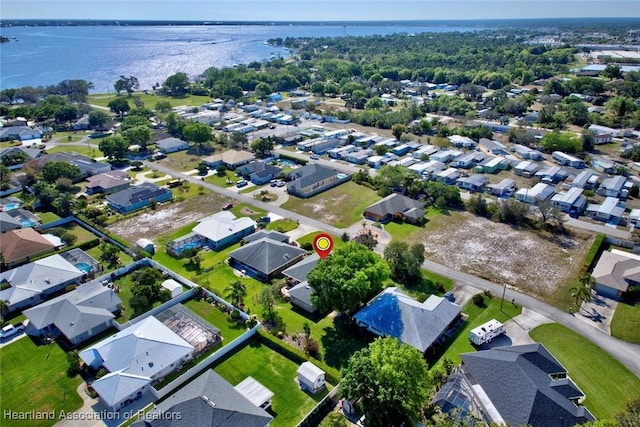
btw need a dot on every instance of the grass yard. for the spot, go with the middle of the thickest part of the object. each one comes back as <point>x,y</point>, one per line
<point>181,161</point>
<point>477,316</point>
<point>405,231</point>
<point>34,378</point>
<point>607,384</point>
<point>228,180</point>
<point>149,100</point>
<point>125,283</point>
<point>76,148</point>
<point>47,217</point>
<point>282,225</point>
<point>229,328</point>
<point>325,207</point>
<point>308,238</point>
<point>626,323</point>
<point>277,373</point>
<point>70,137</point>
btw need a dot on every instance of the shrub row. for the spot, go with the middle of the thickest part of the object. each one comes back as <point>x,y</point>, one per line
<point>594,253</point>
<point>332,374</point>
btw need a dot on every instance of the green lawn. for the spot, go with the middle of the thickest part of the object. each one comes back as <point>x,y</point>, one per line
<point>340,206</point>
<point>76,148</point>
<point>308,238</point>
<point>228,180</point>
<point>34,378</point>
<point>478,316</point>
<point>70,137</point>
<point>282,225</point>
<point>277,373</point>
<point>125,283</point>
<point>626,323</point>
<point>407,232</point>
<point>607,384</point>
<point>47,217</point>
<point>229,328</point>
<point>148,99</point>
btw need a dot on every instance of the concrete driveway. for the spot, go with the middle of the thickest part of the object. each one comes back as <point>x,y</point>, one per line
<point>598,312</point>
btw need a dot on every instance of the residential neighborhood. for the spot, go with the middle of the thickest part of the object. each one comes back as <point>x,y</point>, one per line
<point>286,256</point>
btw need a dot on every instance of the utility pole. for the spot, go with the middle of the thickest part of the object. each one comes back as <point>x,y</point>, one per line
<point>504,290</point>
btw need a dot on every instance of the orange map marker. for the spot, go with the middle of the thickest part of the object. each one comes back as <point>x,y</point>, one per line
<point>323,244</point>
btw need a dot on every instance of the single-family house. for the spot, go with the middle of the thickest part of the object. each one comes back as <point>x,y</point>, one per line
<point>264,259</point>
<point>527,153</point>
<point>552,174</point>
<point>82,123</point>
<point>517,385</point>
<point>300,296</point>
<point>604,134</point>
<point>267,234</point>
<point>616,272</point>
<point>16,157</point>
<point>297,273</point>
<point>565,159</point>
<point>460,141</point>
<point>425,150</point>
<point>207,401</point>
<point>313,179</point>
<point>259,173</point>
<point>33,283</point>
<point>19,245</point>
<point>138,197</point>
<point>16,219</point>
<point>610,211</point>
<point>172,145</point>
<point>506,187</point>
<point>375,161</point>
<point>396,206</point>
<point>223,229</point>
<point>8,222</point>
<point>321,146</point>
<point>526,169</point>
<point>78,315</point>
<point>445,156</point>
<point>231,159</point>
<point>135,358</point>
<point>492,165</point>
<point>275,97</point>
<point>473,183</point>
<point>87,165</point>
<point>339,152</point>
<point>571,202</point>
<point>613,187</point>
<point>448,176</point>
<point>310,377</point>
<point>586,180</point>
<point>420,325</point>
<point>22,133</point>
<point>400,150</point>
<point>492,147</point>
<point>538,193</point>
<point>359,156</point>
<point>107,182</point>
<point>427,168</point>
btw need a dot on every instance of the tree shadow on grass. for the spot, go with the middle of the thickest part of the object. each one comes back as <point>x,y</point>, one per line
<point>341,340</point>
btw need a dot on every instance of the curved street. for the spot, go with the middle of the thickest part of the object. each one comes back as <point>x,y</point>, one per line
<point>628,354</point>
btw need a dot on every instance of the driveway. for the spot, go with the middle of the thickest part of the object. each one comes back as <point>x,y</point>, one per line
<point>518,328</point>
<point>598,312</point>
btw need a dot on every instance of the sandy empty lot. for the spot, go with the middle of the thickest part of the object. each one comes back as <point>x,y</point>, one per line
<point>502,253</point>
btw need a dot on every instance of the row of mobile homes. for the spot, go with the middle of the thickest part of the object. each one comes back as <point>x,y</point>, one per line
<point>565,159</point>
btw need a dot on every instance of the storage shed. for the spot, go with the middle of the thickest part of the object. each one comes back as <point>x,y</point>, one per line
<point>310,377</point>
<point>172,286</point>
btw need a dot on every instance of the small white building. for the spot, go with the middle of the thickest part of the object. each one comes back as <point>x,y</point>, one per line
<point>486,332</point>
<point>310,377</point>
<point>172,286</point>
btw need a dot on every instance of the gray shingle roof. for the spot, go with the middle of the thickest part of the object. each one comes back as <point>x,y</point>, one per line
<point>266,256</point>
<point>300,270</point>
<point>129,196</point>
<point>208,401</point>
<point>396,314</point>
<point>518,382</point>
<point>302,291</point>
<point>310,174</point>
<point>269,234</point>
<point>396,203</point>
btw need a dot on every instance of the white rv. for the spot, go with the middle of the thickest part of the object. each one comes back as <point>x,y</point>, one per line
<point>486,332</point>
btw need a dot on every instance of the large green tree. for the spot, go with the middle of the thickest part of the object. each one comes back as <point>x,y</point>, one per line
<point>51,171</point>
<point>561,141</point>
<point>347,278</point>
<point>115,148</point>
<point>405,261</point>
<point>138,135</point>
<point>98,119</point>
<point>119,106</point>
<point>392,381</point>
<point>177,84</point>
<point>198,133</point>
<point>128,84</point>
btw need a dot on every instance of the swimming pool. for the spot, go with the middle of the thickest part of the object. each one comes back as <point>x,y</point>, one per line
<point>84,267</point>
<point>192,245</point>
<point>342,176</point>
<point>11,206</point>
<point>27,223</point>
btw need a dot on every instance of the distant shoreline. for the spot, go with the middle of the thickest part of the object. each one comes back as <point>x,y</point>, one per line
<point>7,23</point>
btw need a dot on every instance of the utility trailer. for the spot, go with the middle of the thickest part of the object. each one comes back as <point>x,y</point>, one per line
<point>486,332</point>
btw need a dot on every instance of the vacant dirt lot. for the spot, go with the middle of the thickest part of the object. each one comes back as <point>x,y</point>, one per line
<point>167,217</point>
<point>503,254</point>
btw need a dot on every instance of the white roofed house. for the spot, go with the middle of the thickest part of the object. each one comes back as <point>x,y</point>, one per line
<point>613,187</point>
<point>539,192</point>
<point>571,202</point>
<point>172,145</point>
<point>616,272</point>
<point>135,358</point>
<point>610,211</point>
<point>506,187</point>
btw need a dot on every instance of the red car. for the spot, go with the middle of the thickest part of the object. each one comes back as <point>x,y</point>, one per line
<point>227,206</point>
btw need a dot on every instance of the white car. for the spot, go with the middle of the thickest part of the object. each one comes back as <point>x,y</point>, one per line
<point>11,330</point>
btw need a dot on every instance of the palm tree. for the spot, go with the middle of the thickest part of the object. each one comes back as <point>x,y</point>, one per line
<point>582,292</point>
<point>235,292</point>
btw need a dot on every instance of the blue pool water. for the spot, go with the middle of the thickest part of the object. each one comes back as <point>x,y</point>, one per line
<point>286,162</point>
<point>27,223</point>
<point>84,267</point>
<point>193,245</point>
<point>11,206</point>
<point>341,176</point>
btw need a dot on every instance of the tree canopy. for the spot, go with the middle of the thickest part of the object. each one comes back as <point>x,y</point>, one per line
<point>52,171</point>
<point>391,379</point>
<point>347,278</point>
<point>404,261</point>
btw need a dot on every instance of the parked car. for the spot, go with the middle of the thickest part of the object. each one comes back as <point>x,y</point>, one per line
<point>242,183</point>
<point>273,182</point>
<point>11,330</point>
<point>449,295</point>
<point>227,206</point>
<point>314,157</point>
<point>265,219</point>
<point>281,184</point>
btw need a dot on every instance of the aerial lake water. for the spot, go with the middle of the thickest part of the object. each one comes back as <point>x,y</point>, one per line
<point>41,56</point>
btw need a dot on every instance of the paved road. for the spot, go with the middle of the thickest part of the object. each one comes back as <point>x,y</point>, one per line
<point>609,231</point>
<point>628,354</point>
<point>243,198</point>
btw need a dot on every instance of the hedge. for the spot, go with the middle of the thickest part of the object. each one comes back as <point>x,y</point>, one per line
<point>332,374</point>
<point>594,253</point>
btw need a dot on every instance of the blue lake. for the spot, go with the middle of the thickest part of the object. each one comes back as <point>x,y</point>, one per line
<point>100,54</point>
